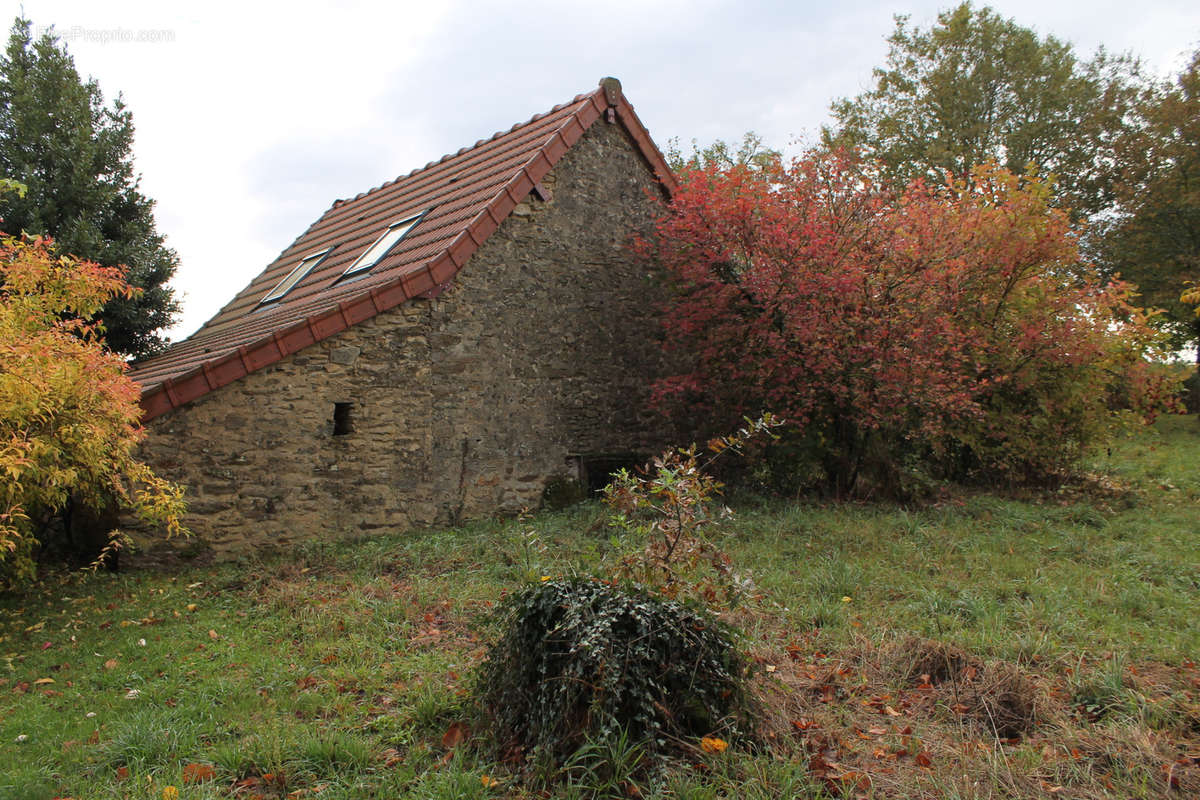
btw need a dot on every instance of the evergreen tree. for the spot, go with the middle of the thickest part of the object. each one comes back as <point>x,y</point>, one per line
<point>74,153</point>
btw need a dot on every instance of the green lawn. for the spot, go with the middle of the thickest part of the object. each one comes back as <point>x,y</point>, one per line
<point>336,672</point>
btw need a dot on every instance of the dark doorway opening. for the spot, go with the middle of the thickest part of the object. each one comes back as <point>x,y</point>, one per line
<point>596,471</point>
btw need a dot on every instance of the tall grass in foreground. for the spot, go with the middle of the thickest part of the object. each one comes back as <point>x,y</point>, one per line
<point>338,671</point>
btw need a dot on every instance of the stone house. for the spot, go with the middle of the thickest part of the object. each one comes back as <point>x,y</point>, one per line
<point>435,349</point>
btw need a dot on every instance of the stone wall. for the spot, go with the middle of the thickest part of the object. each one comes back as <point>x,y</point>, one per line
<point>462,406</point>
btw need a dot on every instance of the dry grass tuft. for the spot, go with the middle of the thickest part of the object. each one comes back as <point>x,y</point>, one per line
<point>1003,701</point>
<point>924,719</point>
<point>925,661</point>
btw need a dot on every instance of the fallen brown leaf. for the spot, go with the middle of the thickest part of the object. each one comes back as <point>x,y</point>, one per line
<point>454,735</point>
<point>198,773</point>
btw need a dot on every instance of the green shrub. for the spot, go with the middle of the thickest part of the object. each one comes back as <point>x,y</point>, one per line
<point>670,506</point>
<point>1191,392</point>
<point>583,661</point>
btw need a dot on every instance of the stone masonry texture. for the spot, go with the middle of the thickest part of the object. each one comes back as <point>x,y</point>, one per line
<point>461,406</point>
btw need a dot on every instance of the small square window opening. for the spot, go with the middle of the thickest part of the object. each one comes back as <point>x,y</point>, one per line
<point>343,424</point>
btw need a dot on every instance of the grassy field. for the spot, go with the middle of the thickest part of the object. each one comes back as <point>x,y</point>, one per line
<point>983,647</point>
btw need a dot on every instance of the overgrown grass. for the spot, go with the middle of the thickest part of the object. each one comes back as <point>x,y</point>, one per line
<point>338,671</point>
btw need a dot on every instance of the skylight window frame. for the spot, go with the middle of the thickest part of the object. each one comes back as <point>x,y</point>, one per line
<point>300,273</point>
<point>362,265</point>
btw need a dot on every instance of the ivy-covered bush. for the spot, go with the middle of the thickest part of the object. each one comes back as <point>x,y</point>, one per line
<point>583,661</point>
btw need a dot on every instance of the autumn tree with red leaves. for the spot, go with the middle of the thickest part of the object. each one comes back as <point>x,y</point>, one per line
<point>69,415</point>
<point>951,330</point>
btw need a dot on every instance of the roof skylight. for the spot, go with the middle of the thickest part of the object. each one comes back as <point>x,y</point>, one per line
<point>375,253</point>
<point>295,276</point>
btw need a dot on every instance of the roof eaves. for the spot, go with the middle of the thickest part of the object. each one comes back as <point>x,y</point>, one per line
<point>273,347</point>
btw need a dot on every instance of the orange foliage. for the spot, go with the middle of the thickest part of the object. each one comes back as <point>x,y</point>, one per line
<point>69,415</point>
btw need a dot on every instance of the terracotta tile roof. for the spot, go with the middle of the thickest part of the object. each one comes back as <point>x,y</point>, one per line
<point>467,195</point>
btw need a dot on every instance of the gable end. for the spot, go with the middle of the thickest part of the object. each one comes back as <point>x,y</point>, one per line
<point>206,362</point>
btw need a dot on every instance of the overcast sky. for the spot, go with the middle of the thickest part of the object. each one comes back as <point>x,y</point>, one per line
<point>252,120</point>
